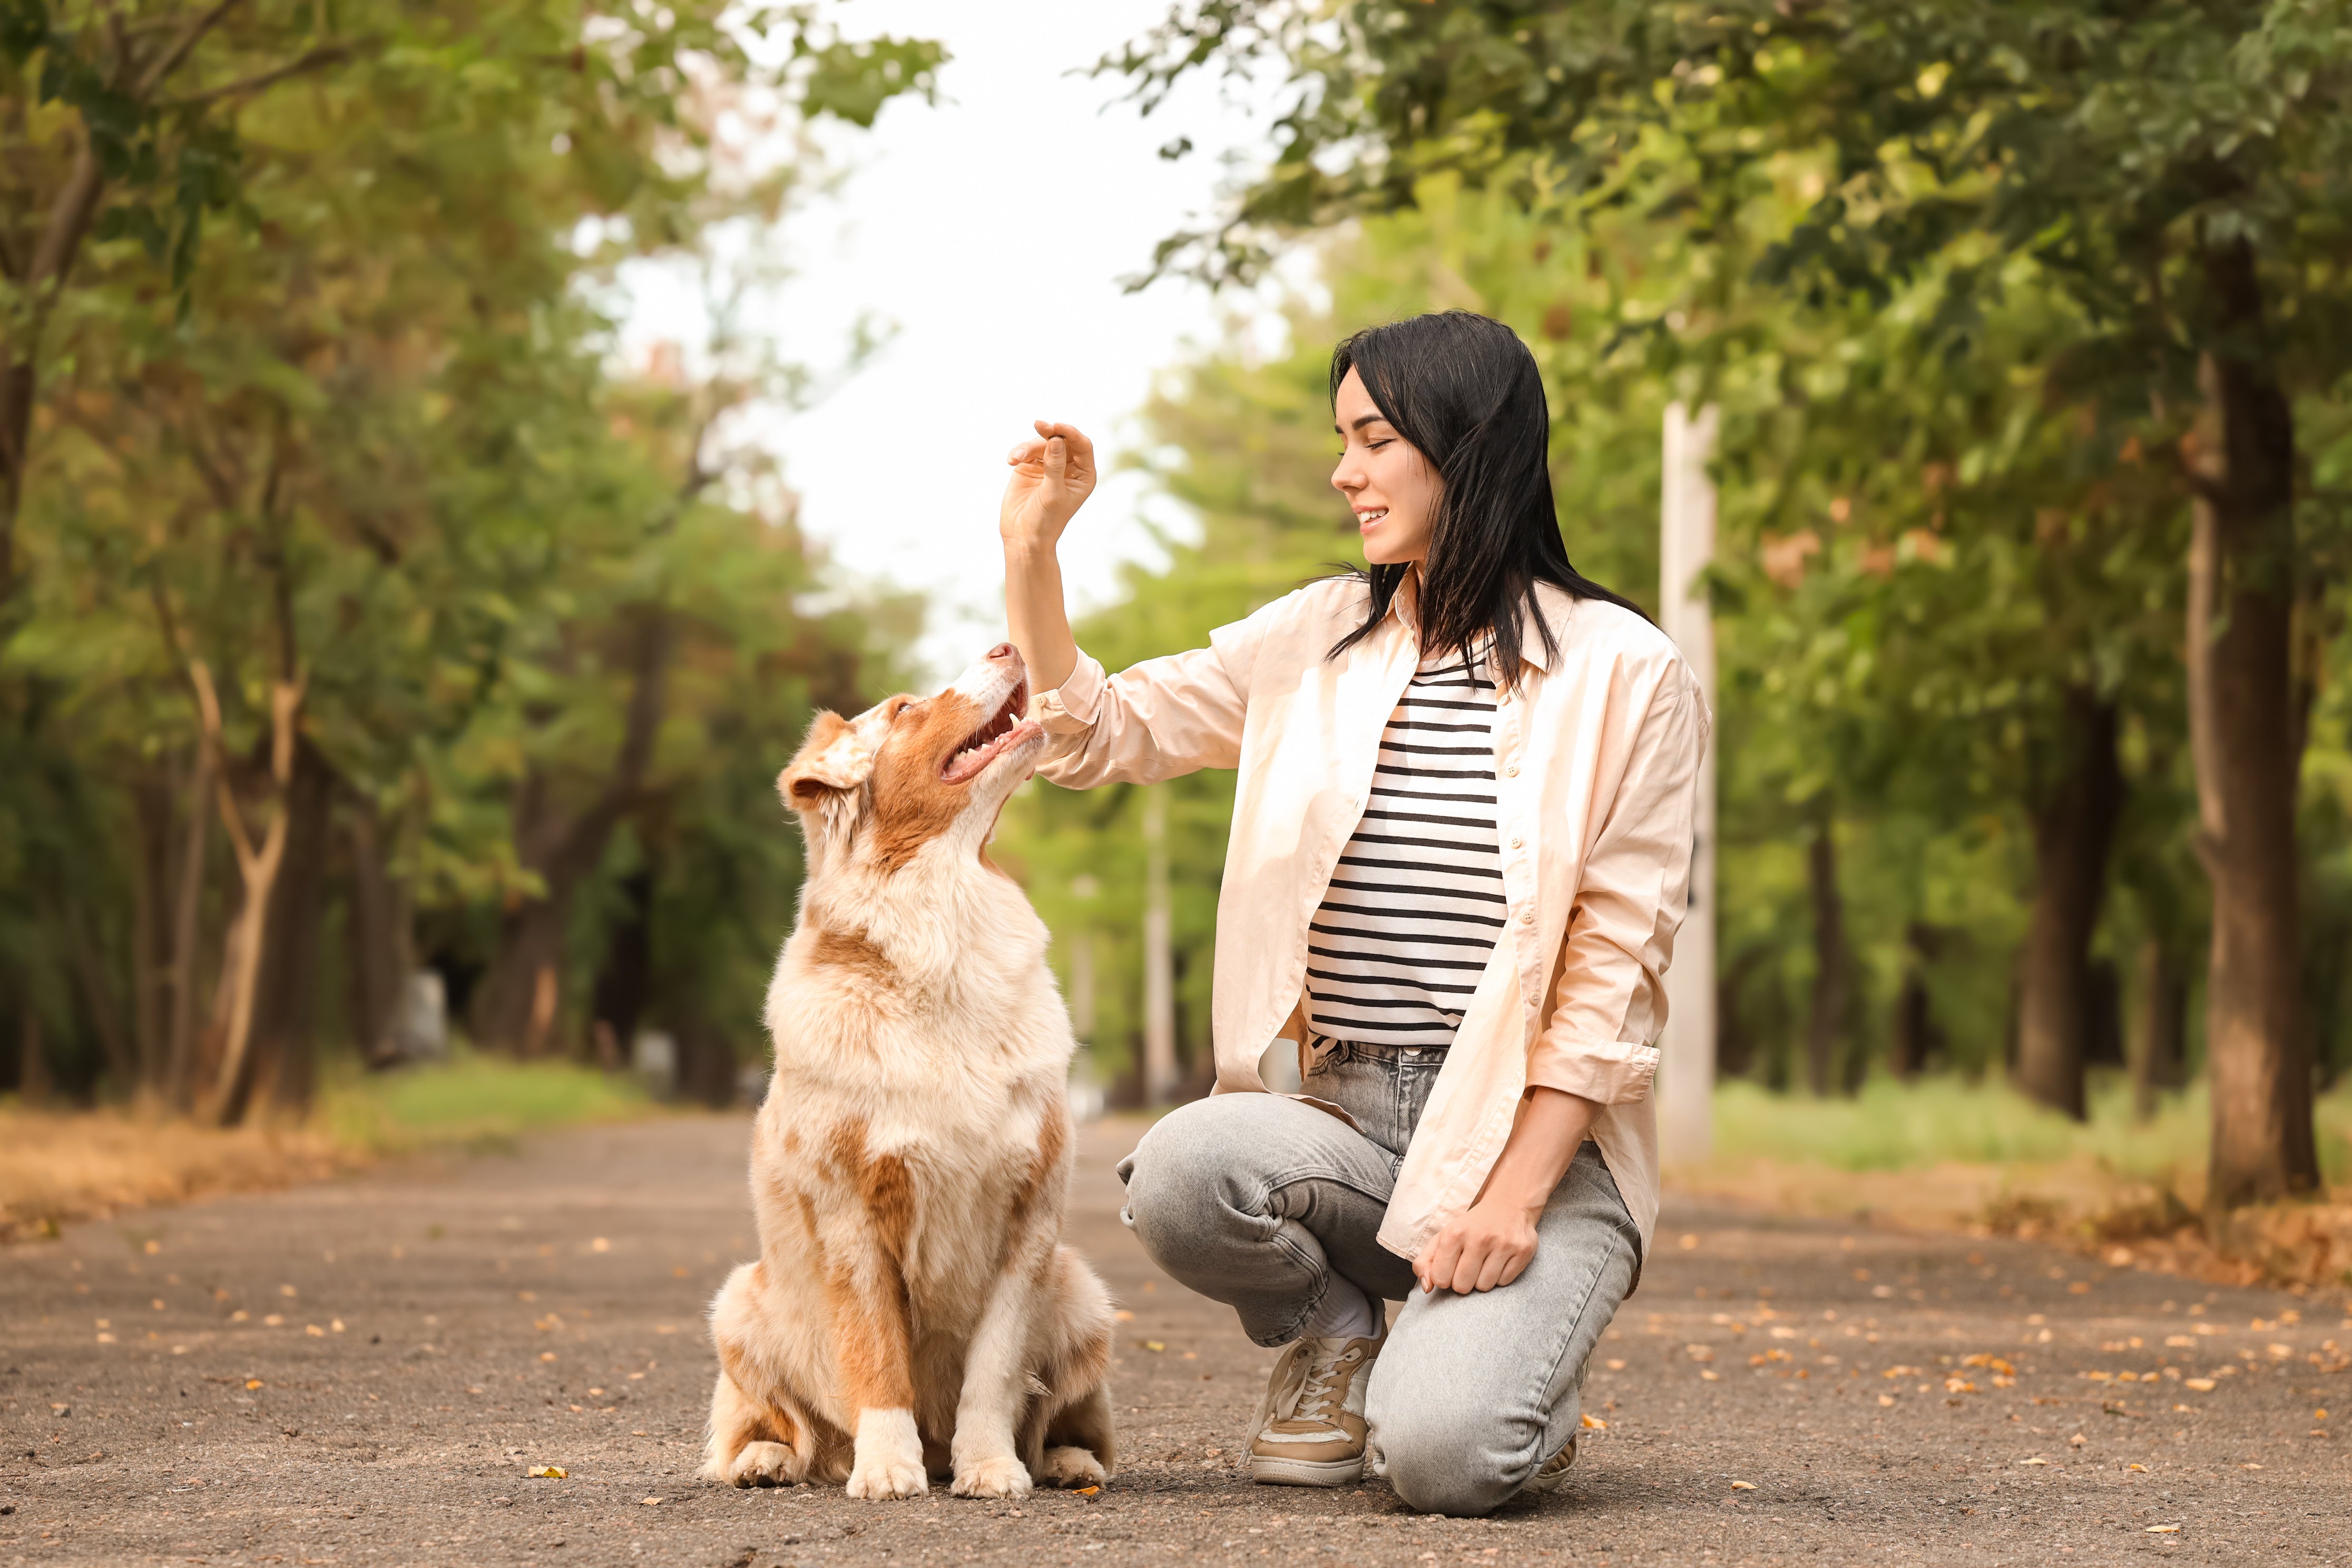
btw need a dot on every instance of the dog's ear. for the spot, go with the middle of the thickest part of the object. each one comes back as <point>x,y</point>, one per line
<point>830,763</point>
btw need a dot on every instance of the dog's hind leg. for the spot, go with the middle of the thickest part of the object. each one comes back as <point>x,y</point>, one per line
<point>751,1443</point>
<point>1075,1443</point>
<point>756,1437</point>
<point>1077,1446</point>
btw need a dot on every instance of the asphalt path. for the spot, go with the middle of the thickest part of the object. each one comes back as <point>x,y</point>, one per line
<point>366,1372</point>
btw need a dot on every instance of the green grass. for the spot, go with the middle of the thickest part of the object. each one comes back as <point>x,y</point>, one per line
<point>1894,1126</point>
<point>473,1100</point>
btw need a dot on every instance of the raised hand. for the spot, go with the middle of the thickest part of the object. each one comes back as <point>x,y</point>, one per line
<point>1052,474</point>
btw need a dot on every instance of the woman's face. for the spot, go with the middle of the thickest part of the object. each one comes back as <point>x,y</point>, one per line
<point>1392,488</point>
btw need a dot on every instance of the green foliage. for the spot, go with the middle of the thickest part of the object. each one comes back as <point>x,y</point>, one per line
<point>1948,272</point>
<point>370,447</point>
<point>1892,1126</point>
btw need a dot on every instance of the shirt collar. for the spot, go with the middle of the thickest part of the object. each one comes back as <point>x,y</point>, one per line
<point>1549,606</point>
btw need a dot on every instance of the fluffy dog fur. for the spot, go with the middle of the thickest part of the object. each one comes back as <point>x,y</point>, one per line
<point>913,1311</point>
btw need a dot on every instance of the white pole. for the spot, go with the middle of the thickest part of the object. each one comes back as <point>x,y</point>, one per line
<point>1159,966</point>
<point>1686,546</point>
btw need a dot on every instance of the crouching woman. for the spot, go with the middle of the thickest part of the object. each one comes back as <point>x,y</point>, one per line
<point>1460,847</point>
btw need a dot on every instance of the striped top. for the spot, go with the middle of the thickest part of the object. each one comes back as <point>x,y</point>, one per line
<point>1415,904</point>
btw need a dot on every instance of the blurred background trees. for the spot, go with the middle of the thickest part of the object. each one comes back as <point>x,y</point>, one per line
<point>2028,329</point>
<point>363,618</point>
<point>358,612</point>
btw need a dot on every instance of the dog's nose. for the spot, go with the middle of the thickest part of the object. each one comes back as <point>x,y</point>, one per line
<point>1003,650</point>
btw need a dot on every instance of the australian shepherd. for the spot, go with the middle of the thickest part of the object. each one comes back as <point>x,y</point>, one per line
<point>913,1313</point>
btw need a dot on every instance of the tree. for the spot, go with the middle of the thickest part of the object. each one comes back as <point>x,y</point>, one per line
<point>2180,172</point>
<point>333,503</point>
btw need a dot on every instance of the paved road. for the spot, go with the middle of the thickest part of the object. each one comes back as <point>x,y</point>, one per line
<point>363,1372</point>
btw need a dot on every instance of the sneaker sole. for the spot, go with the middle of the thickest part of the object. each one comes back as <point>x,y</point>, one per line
<point>1279,1472</point>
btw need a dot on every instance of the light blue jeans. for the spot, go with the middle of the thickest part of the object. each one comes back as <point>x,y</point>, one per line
<point>1258,1200</point>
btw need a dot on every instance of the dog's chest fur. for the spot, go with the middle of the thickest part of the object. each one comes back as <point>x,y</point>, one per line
<point>921,1054</point>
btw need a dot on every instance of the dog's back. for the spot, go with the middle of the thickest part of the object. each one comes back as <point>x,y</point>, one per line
<point>913,1308</point>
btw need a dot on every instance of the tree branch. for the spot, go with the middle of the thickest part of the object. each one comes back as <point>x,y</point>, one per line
<point>176,56</point>
<point>301,65</point>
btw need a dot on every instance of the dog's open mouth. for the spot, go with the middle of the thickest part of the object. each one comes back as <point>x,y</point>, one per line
<point>992,739</point>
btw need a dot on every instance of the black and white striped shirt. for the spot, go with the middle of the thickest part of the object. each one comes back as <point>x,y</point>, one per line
<point>1416,902</point>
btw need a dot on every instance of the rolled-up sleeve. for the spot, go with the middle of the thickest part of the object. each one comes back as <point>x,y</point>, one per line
<point>1609,1003</point>
<point>1152,720</point>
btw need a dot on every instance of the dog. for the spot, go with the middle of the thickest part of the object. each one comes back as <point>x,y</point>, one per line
<point>913,1311</point>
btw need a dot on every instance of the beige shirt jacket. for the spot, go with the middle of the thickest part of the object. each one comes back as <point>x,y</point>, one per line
<point>1596,771</point>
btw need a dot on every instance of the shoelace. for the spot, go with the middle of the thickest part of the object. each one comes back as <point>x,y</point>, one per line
<point>1318,1390</point>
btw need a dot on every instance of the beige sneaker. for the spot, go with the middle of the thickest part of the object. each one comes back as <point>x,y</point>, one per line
<point>1310,1426</point>
<point>1554,1472</point>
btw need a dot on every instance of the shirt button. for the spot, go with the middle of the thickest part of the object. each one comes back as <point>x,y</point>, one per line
<point>1512,772</point>
<point>1517,841</point>
<point>1527,917</point>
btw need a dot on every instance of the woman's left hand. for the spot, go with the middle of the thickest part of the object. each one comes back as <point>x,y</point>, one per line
<point>1490,1243</point>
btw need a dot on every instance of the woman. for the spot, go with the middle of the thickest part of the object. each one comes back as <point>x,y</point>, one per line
<point>1461,846</point>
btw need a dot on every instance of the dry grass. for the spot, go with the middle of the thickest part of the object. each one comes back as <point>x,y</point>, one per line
<point>55,1168</point>
<point>90,1164</point>
<point>1977,1158</point>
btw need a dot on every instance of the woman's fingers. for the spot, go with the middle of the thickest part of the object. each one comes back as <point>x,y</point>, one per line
<point>1493,1267</point>
<point>1436,1266</point>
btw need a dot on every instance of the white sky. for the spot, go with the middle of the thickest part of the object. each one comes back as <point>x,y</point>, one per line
<point>993,230</point>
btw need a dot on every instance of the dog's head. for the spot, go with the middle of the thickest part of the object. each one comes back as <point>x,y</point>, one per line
<point>914,771</point>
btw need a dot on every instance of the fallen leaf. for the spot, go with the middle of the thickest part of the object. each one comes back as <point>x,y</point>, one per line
<point>550,1472</point>
<point>1885,1399</point>
<point>1743,1485</point>
<point>1085,1492</point>
<point>1593,1426</point>
<point>2250,1466</point>
<point>1154,1346</point>
<point>1123,1316</point>
<point>2201,1384</point>
<point>651,1502</point>
<point>253,1383</point>
<point>2078,1440</point>
<point>1709,1373</point>
<point>2163,1529</point>
<point>2037,1459</point>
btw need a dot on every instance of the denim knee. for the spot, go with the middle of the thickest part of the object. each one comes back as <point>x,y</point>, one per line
<point>1179,1197</point>
<point>1450,1462</point>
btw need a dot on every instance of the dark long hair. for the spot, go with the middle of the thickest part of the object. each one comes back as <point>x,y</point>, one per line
<point>1464,391</point>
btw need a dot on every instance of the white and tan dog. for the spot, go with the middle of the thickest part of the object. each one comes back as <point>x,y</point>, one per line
<point>913,1311</point>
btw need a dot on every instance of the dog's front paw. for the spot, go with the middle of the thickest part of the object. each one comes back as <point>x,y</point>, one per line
<point>999,1475</point>
<point>764,1465</point>
<point>879,1479</point>
<point>1070,1468</point>
<point>889,1456</point>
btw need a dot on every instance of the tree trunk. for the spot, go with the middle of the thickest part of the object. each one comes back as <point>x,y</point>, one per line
<point>1918,1037</point>
<point>2243,738</point>
<point>625,977</point>
<point>2073,825</point>
<point>516,1004</point>
<point>187,909</point>
<point>1825,1030</point>
<point>151,928</point>
<point>259,866</point>
<point>2159,1034</point>
<point>382,946</point>
<point>33,1080</point>
<point>285,1013</point>
<point>98,1000</point>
